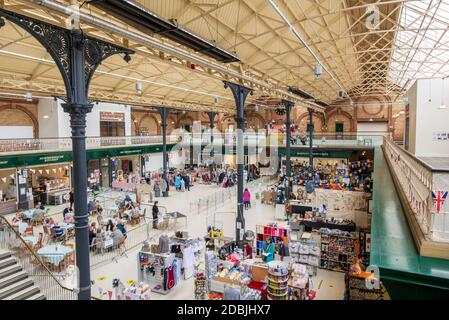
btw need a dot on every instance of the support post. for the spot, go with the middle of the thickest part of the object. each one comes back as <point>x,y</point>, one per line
<point>77,57</point>
<point>212,150</point>
<point>310,139</point>
<point>240,93</point>
<point>288,166</point>
<point>164,113</point>
<point>77,108</point>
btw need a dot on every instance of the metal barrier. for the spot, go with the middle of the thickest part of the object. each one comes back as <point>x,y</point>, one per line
<point>33,265</point>
<point>224,196</point>
<point>108,249</point>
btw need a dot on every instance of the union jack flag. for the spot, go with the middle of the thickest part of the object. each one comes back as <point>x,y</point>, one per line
<point>439,197</point>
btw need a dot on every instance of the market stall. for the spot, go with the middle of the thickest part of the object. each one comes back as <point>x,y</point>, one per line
<point>8,191</point>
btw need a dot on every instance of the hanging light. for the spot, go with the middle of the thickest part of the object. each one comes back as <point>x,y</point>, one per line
<point>318,71</point>
<point>139,87</point>
<point>29,96</point>
<point>443,105</point>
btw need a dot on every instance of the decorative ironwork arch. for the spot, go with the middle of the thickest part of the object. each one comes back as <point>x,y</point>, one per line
<point>58,41</point>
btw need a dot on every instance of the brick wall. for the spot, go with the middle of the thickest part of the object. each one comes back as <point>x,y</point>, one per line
<point>19,113</point>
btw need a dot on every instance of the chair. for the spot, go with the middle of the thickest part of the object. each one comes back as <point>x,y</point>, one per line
<point>99,245</point>
<point>38,244</point>
<point>121,244</point>
<point>47,233</point>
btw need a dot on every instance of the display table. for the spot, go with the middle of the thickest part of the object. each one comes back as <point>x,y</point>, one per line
<point>316,225</point>
<point>176,215</point>
<point>299,208</point>
<point>55,254</point>
<point>56,197</point>
<point>8,206</point>
<point>258,268</point>
<point>123,185</point>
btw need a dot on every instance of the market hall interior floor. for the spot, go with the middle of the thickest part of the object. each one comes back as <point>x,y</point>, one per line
<point>328,285</point>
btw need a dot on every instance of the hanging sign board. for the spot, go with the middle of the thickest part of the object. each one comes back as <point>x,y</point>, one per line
<point>112,116</point>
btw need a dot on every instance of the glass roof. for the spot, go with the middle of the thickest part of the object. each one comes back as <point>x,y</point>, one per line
<point>421,47</point>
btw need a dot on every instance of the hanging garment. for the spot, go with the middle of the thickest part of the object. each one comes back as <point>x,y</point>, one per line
<point>177,270</point>
<point>164,244</point>
<point>170,278</point>
<point>188,260</point>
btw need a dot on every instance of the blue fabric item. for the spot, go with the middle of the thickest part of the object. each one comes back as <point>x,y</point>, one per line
<point>177,270</point>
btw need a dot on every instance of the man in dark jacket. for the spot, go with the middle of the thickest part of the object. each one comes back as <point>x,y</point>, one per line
<point>186,179</point>
<point>155,212</point>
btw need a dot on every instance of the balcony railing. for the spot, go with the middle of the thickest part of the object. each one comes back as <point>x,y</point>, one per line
<point>415,179</point>
<point>48,144</point>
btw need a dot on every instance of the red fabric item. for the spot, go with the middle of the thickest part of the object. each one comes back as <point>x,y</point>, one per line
<point>170,278</point>
<point>260,286</point>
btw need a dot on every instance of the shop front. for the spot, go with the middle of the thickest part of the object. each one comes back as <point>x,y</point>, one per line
<point>49,183</point>
<point>125,172</point>
<point>99,172</point>
<point>29,178</point>
<point>8,191</point>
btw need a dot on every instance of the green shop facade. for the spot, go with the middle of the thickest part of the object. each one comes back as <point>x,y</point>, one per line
<point>21,175</point>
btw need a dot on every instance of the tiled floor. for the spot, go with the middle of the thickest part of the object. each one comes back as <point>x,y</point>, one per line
<point>329,285</point>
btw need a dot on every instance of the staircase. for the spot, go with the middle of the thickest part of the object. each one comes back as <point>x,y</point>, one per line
<point>14,281</point>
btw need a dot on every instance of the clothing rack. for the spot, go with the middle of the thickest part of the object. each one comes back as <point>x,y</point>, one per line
<point>161,271</point>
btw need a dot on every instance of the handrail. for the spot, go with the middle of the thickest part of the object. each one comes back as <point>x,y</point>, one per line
<point>415,179</point>
<point>413,156</point>
<point>33,254</point>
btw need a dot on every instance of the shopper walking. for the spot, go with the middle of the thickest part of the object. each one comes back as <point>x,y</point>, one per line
<point>155,212</point>
<point>247,199</point>
<point>187,181</point>
<point>71,198</point>
<point>178,182</point>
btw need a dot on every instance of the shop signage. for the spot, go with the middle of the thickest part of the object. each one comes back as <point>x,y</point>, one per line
<point>112,116</point>
<point>51,159</point>
<point>33,159</point>
<point>125,152</point>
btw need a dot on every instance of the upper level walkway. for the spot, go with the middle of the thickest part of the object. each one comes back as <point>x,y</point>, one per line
<point>406,274</point>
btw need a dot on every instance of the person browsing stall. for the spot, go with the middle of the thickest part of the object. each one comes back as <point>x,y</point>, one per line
<point>268,250</point>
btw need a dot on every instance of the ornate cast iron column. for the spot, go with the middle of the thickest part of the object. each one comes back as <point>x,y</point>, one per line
<point>310,139</point>
<point>288,166</point>
<point>77,57</point>
<point>164,114</point>
<point>212,150</point>
<point>240,93</point>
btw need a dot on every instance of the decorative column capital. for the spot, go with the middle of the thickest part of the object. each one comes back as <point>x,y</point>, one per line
<point>239,91</point>
<point>211,116</point>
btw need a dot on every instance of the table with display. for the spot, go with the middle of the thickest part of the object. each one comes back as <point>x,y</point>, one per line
<point>8,206</point>
<point>54,253</point>
<point>299,208</point>
<point>56,197</point>
<point>31,213</point>
<point>175,216</point>
<point>310,225</point>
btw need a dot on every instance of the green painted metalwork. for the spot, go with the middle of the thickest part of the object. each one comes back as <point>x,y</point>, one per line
<point>33,159</point>
<point>404,272</point>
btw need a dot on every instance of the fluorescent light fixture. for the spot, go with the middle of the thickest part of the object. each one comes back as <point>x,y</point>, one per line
<point>29,96</point>
<point>45,117</point>
<point>139,87</point>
